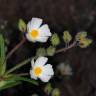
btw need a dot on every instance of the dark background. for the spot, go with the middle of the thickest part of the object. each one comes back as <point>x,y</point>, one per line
<point>72,15</point>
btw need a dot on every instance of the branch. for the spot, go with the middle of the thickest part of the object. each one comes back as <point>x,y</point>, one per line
<point>16,47</point>
<point>19,65</point>
<point>66,48</point>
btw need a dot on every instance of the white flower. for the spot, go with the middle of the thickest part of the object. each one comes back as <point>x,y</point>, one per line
<point>64,69</point>
<point>36,32</point>
<point>41,70</point>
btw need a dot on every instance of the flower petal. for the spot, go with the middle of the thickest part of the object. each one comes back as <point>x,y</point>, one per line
<point>29,27</point>
<point>30,38</point>
<point>41,61</point>
<point>45,78</point>
<point>33,75</point>
<point>44,30</point>
<point>34,24</point>
<point>42,39</point>
<point>32,62</point>
<point>48,70</point>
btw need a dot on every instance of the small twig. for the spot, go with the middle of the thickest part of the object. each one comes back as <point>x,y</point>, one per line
<point>16,47</point>
<point>19,65</point>
<point>66,48</point>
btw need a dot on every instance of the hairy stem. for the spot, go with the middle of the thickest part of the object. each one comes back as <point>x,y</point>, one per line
<point>15,48</point>
<point>18,65</point>
<point>66,48</point>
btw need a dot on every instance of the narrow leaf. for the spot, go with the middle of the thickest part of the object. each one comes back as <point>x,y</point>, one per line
<point>10,84</point>
<point>2,56</point>
<point>26,79</point>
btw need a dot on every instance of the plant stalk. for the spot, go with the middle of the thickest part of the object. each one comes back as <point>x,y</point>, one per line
<point>18,65</point>
<point>66,48</point>
<point>15,48</point>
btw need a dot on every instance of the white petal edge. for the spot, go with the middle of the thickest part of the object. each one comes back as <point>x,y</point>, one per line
<point>41,61</point>
<point>32,75</point>
<point>29,27</point>
<point>44,30</point>
<point>32,63</point>
<point>45,78</point>
<point>42,39</point>
<point>35,23</point>
<point>48,70</point>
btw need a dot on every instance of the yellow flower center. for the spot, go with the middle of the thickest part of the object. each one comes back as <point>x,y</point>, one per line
<point>34,33</point>
<point>37,71</point>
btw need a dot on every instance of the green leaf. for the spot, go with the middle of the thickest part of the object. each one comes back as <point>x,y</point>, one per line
<point>2,56</point>
<point>14,80</point>
<point>22,25</point>
<point>9,84</point>
<point>19,78</point>
<point>26,79</point>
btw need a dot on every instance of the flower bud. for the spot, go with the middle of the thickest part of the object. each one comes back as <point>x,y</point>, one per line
<point>48,89</point>
<point>80,35</point>
<point>85,42</point>
<point>55,39</point>
<point>56,92</point>
<point>67,37</point>
<point>22,25</point>
<point>51,51</point>
<point>64,69</point>
<point>41,52</point>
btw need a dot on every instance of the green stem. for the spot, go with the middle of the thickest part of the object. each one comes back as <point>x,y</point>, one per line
<point>18,65</point>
